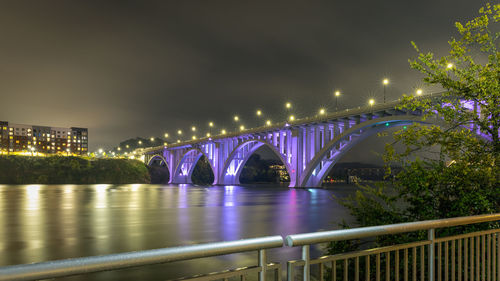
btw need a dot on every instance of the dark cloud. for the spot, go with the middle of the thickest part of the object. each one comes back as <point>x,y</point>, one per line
<point>129,68</point>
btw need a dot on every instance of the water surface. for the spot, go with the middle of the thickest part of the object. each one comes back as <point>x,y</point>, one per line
<point>48,222</point>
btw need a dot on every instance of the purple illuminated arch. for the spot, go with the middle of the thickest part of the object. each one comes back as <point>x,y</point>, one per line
<point>185,168</point>
<point>321,164</point>
<point>239,156</point>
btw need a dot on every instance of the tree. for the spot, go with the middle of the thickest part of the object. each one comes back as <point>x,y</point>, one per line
<point>452,170</point>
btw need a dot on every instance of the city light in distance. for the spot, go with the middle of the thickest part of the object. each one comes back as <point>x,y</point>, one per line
<point>152,139</point>
<point>139,142</point>
<point>194,137</point>
<point>127,146</point>
<point>179,132</point>
<point>178,141</point>
<point>337,93</point>
<point>165,143</point>
<point>100,150</point>
<point>119,148</point>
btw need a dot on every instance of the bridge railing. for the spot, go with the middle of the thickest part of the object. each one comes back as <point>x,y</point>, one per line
<point>467,256</point>
<point>280,125</point>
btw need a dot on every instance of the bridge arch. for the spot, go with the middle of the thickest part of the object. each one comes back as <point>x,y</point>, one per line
<point>321,164</point>
<point>157,158</point>
<point>231,171</point>
<point>185,167</point>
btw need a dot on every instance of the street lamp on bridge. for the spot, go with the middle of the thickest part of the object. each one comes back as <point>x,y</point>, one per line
<point>210,126</point>
<point>337,95</point>
<point>385,82</point>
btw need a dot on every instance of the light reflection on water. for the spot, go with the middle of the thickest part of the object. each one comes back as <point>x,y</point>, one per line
<point>47,222</point>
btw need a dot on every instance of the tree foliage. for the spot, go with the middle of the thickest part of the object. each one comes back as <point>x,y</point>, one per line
<point>450,170</point>
<point>70,170</point>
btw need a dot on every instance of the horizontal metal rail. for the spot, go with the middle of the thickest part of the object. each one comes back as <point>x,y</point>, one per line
<point>362,232</point>
<point>482,248</point>
<point>76,266</point>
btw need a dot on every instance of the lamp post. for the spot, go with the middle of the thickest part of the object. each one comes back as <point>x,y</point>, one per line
<point>337,94</point>
<point>419,92</point>
<point>322,111</point>
<point>236,120</point>
<point>259,114</point>
<point>385,82</point>
<point>210,126</point>
<point>288,106</point>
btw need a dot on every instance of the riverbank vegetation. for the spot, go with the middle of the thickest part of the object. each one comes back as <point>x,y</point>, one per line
<point>71,170</point>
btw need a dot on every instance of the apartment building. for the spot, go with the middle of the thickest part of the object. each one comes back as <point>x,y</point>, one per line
<point>37,140</point>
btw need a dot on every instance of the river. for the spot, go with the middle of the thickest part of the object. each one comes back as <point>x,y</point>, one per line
<point>48,222</point>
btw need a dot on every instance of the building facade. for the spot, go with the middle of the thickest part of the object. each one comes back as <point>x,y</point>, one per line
<point>35,140</point>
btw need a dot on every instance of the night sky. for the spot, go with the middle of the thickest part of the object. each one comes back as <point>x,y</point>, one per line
<point>142,68</point>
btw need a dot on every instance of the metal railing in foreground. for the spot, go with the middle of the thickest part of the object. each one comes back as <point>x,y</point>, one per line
<point>467,257</point>
<point>79,266</point>
<point>470,256</point>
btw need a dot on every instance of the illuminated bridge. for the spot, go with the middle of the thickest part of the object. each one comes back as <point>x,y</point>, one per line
<point>308,147</point>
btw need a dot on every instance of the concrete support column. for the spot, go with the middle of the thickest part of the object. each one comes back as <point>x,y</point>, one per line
<point>317,139</point>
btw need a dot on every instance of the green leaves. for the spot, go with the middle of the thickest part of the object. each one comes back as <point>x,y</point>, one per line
<point>451,169</point>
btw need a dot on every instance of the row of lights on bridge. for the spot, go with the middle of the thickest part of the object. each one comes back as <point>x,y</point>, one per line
<point>288,106</point>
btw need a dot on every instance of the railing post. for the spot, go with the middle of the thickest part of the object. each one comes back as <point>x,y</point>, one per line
<point>262,264</point>
<point>306,259</point>
<point>431,256</point>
